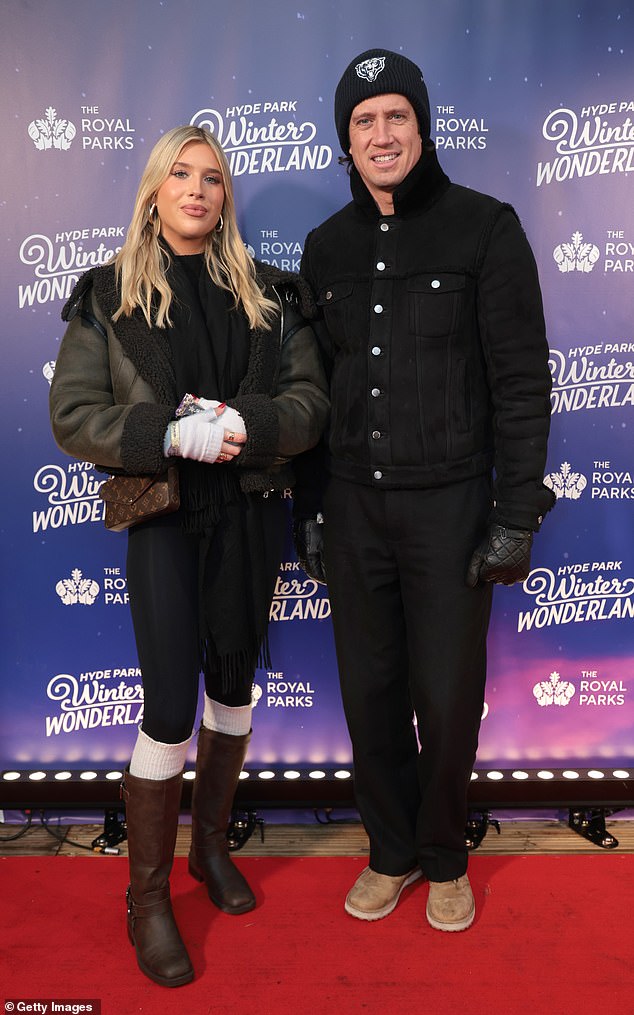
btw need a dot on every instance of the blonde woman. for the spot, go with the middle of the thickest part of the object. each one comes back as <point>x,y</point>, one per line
<point>183,311</point>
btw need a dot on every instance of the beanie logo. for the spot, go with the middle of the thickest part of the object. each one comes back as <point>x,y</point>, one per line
<point>369,70</point>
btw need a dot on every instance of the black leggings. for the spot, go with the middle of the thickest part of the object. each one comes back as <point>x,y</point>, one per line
<point>162,575</point>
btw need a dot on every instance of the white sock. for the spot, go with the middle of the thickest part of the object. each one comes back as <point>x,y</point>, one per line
<point>223,719</point>
<point>152,760</point>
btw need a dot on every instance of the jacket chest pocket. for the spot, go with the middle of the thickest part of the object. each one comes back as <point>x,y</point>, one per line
<point>434,303</point>
<point>335,301</point>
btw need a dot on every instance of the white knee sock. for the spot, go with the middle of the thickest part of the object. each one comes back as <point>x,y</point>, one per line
<point>223,719</point>
<point>152,760</point>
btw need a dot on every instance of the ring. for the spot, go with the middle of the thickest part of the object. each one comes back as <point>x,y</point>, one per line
<point>231,436</point>
<point>223,457</point>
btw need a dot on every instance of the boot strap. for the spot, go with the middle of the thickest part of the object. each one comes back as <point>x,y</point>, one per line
<point>162,904</point>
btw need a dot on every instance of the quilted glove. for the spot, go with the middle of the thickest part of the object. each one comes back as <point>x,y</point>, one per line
<point>503,556</point>
<point>308,537</point>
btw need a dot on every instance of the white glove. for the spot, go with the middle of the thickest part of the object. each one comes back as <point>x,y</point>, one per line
<point>232,421</point>
<point>198,437</point>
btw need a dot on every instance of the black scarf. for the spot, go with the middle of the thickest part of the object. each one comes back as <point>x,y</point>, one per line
<point>209,341</point>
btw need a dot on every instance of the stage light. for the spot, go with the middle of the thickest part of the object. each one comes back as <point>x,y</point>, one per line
<point>292,775</point>
<point>594,774</point>
<point>520,775</point>
<point>343,774</point>
<point>317,774</point>
<point>37,776</point>
<point>243,775</point>
<point>87,776</point>
<point>569,774</point>
<point>266,775</point>
<point>115,776</point>
<point>11,776</point>
<point>190,775</point>
<point>621,774</point>
<point>63,776</point>
<point>474,776</point>
<point>495,776</point>
<point>545,774</point>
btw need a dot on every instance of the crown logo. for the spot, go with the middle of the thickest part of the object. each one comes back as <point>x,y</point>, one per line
<point>566,484</point>
<point>370,69</point>
<point>554,691</point>
<point>576,255</point>
<point>77,589</point>
<point>51,132</point>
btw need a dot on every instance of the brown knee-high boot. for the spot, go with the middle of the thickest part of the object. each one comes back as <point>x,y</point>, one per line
<point>219,762</point>
<point>152,808</point>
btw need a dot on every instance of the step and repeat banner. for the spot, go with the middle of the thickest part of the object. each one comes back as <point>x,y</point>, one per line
<point>533,103</point>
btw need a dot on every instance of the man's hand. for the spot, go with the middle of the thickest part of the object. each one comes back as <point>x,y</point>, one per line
<point>503,556</point>
<point>308,537</point>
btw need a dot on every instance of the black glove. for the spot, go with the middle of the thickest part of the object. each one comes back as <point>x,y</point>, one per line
<point>308,537</point>
<point>503,556</point>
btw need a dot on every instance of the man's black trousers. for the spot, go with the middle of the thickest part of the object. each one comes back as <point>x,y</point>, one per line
<point>411,642</point>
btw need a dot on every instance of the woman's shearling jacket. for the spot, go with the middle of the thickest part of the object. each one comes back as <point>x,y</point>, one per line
<point>113,393</point>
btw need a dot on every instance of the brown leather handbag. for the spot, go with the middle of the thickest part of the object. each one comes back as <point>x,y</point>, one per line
<point>133,499</point>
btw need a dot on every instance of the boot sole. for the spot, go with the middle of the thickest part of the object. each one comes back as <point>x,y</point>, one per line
<point>451,927</point>
<point>380,914</point>
<point>230,910</point>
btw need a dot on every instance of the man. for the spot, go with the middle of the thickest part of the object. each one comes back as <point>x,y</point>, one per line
<point>433,327</point>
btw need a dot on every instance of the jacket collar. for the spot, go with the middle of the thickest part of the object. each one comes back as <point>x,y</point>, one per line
<point>422,186</point>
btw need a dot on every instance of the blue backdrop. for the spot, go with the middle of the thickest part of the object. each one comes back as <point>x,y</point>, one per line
<point>533,103</point>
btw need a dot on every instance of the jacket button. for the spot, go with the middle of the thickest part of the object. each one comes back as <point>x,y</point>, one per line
<point>376,350</point>
<point>329,294</point>
<point>376,434</point>
<point>380,266</point>
<point>384,227</point>
<point>378,474</point>
<point>378,309</point>
<point>435,284</point>
<point>375,392</point>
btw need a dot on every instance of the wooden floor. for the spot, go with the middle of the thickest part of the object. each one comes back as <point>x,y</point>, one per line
<point>331,838</point>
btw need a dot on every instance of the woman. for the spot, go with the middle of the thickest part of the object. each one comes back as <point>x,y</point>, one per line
<point>182,310</point>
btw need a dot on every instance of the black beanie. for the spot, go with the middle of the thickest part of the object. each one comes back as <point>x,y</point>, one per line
<point>380,72</point>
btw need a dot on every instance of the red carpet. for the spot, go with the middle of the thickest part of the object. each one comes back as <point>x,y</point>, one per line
<point>553,936</point>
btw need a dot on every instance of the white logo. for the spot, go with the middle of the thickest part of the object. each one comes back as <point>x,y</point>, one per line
<point>51,132</point>
<point>554,691</point>
<point>566,484</point>
<point>369,70</point>
<point>48,370</point>
<point>576,255</point>
<point>77,589</point>
<point>256,694</point>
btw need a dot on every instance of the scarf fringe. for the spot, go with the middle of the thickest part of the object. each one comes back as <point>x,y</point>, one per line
<point>235,667</point>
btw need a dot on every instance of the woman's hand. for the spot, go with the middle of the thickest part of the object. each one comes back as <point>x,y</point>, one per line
<point>235,433</point>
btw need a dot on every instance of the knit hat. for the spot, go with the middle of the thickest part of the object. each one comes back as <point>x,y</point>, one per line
<point>380,72</point>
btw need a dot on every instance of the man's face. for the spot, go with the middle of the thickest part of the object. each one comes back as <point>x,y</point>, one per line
<point>385,144</point>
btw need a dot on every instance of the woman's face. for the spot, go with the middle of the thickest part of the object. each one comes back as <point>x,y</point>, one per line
<point>190,200</point>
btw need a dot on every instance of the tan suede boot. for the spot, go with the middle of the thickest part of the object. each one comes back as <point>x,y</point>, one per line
<point>152,808</point>
<point>374,895</point>
<point>219,762</point>
<point>450,905</point>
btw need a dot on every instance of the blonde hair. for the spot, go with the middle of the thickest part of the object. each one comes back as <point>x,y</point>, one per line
<point>141,263</point>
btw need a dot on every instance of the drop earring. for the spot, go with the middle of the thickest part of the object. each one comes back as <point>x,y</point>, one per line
<point>220,224</point>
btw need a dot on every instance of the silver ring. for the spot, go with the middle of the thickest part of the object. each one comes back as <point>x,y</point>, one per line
<point>231,436</point>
